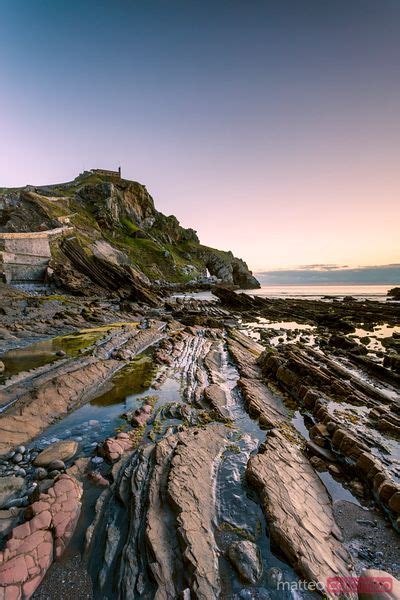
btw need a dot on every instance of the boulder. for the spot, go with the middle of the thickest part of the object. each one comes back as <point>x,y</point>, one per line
<point>59,451</point>
<point>394,503</point>
<point>114,447</point>
<point>322,453</point>
<point>318,463</point>
<point>378,585</point>
<point>58,465</point>
<point>245,557</point>
<point>394,293</point>
<point>386,490</point>
<point>342,342</point>
<point>141,416</point>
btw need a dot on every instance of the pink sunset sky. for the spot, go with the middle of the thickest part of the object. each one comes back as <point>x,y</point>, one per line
<point>274,132</point>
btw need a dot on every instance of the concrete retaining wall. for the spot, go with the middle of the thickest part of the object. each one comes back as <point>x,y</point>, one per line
<point>25,256</point>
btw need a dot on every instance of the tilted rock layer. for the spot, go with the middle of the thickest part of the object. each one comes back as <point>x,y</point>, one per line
<point>299,510</point>
<point>115,239</point>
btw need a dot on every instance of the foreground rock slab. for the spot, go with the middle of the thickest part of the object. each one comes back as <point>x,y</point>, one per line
<point>161,502</point>
<point>298,509</point>
<point>32,546</point>
<point>191,493</point>
<point>260,402</point>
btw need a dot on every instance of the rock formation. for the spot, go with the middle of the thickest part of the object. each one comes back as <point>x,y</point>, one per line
<point>210,443</point>
<point>144,246</point>
<point>299,510</point>
<point>32,545</point>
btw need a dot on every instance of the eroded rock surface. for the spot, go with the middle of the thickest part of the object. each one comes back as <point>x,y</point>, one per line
<point>167,491</point>
<point>33,545</point>
<point>298,509</point>
<point>190,491</point>
<point>245,557</point>
<point>260,402</point>
<point>166,524</point>
<point>38,402</point>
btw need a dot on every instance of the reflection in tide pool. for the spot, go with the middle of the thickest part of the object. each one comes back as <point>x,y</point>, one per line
<point>99,419</point>
<point>276,332</point>
<point>47,351</point>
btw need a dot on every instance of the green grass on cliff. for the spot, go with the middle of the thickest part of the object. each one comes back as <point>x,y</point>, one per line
<point>149,253</point>
<point>149,256</point>
<point>148,249</point>
<point>71,188</point>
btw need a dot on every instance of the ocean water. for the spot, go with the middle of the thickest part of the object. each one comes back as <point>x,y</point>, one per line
<point>372,292</point>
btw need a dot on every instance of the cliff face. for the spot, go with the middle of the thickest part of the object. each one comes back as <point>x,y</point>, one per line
<point>114,221</point>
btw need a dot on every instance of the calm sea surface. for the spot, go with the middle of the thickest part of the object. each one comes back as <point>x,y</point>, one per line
<point>374,292</point>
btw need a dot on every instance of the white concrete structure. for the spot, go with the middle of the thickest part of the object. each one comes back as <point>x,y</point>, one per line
<point>25,256</point>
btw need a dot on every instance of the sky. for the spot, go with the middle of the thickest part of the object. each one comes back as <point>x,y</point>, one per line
<point>332,274</point>
<point>271,127</point>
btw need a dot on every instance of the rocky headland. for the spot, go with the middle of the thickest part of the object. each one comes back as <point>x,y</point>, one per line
<point>161,447</point>
<point>103,235</point>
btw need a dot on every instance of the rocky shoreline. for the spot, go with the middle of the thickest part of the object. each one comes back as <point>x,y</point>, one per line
<point>306,417</point>
<point>163,447</point>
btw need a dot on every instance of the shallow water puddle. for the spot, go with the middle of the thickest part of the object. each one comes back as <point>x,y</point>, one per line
<point>101,417</point>
<point>336,490</point>
<point>48,351</point>
<point>45,352</point>
<point>278,332</point>
<point>379,333</point>
<point>238,512</point>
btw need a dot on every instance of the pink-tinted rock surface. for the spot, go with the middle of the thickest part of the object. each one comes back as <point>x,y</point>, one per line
<point>141,416</point>
<point>34,544</point>
<point>113,448</point>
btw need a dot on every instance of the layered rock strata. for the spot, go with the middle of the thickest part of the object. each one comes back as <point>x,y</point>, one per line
<point>299,510</point>
<point>312,381</point>
<point>167,495</point>
<point>64,387</point>
<point>34,544</point>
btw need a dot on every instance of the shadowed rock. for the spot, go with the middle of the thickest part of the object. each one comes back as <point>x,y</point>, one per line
<point>245,556</point>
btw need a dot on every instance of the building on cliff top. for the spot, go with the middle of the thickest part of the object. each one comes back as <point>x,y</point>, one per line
<point>107,173</point>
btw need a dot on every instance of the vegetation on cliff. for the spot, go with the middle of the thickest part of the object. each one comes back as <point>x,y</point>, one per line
<point>113,220</point>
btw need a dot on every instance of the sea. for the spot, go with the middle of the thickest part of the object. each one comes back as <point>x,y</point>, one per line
<point>317,292</point>
<point>370,291</point>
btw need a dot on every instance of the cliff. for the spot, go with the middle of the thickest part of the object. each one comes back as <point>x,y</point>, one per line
<point>115,238</point>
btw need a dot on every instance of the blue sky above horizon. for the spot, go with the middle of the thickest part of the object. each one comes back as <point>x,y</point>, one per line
<point>272,127</point>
